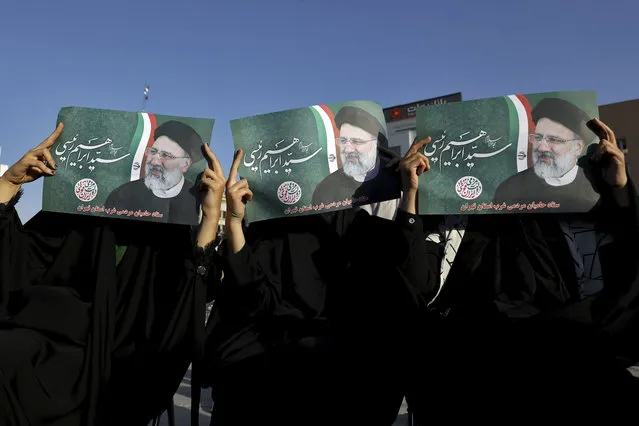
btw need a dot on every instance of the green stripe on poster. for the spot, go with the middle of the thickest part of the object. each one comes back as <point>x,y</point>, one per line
<point>321,127</point>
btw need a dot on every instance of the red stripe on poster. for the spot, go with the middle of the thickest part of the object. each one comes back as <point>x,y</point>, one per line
<point>531,125</point>
<point>149,143</point>
<point>330,114</point>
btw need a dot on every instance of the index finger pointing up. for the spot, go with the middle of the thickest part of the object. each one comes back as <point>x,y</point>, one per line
<point>235,166</point>
<point>211,159</point>
<point>417,145</point>
<point>610,135</point>
<point>48,142</point>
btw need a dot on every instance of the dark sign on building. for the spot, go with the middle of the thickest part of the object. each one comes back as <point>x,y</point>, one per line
<point>402,112</point>
<point>400,121</point>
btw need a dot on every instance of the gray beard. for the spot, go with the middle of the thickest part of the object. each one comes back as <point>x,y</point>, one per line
<point>559,166</point>
<point>166,181</point>
<point>358,170</point>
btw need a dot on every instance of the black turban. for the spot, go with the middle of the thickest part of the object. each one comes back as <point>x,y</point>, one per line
<point>566,114</point>
<point>362,119</point>
<point>183,135</point>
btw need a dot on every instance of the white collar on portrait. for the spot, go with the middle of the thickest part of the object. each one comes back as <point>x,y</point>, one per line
<point>171,192</point>
<point>566,179</point>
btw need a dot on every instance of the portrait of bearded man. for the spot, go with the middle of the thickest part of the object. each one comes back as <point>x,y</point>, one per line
<point>164,188</point>
<point>363,177</point>
<point>559,140</point>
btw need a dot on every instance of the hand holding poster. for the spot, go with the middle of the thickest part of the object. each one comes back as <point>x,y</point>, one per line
<point>510,154</point>
<point>313,160</point>
<point>127,165</point>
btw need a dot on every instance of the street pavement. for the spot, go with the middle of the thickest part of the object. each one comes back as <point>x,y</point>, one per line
<point>182,402</point>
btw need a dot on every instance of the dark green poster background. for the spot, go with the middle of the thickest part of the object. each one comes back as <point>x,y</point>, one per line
<point>96,153</point>
<point>287,154</point>
<point>478,144</point>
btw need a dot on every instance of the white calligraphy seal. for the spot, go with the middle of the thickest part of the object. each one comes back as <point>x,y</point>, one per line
<point>86,189</point>
<point>289,192</point>
<point>468,187</point>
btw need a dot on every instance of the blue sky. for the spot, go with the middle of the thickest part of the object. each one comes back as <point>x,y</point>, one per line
<point>228,59</point>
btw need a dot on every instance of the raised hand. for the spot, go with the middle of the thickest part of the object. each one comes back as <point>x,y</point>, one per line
<point>237,193</point>
<point>608,154</point>
<point>412,165</point>
<point>212,185</point>
<point>35,163</point>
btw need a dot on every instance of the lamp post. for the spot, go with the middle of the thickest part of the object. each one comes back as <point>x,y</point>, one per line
<point>147,88</point>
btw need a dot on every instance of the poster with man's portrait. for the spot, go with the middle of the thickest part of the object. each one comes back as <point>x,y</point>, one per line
<point>137,166</point>
<point>509,154</point>
<point>316,159</point>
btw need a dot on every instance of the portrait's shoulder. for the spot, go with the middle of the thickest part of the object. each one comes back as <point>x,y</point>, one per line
<point>327,186</point>
<point>519,177</point>
<point>388,173</point>
<point>130,186</point>
<point>511,188</point>
<point>190,189</point>
<point>332,179</point>
<point>126,190</point>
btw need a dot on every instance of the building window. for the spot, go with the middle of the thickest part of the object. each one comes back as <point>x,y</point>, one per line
<point>621,143</point>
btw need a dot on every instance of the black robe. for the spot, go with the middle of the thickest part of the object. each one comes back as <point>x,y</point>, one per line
<point>520,265</point>
<point>312,319</point>
<point>83,342</point>
<point>135,196</point>
<point>526,187</point>
<point>338,186</point>
<point>511,317</point>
